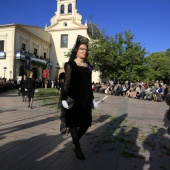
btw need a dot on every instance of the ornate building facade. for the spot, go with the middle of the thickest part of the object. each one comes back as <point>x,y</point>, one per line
<point>44,48</point>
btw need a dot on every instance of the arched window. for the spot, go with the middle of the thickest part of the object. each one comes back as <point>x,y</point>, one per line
<point>62,9</point>
<point>70,8</point>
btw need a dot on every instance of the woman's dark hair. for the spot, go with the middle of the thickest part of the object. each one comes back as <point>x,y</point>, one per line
<point>23,76</point>
<point>79,41</point>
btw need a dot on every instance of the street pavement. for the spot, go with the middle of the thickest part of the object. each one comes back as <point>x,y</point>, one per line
<point>126,134</point>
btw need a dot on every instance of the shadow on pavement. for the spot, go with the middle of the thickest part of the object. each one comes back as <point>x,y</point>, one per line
<point>26,126</point>
<point>9,110</point>
<point>110,146</point>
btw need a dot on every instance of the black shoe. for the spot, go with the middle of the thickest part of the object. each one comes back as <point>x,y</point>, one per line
<point>79,154</point>
<point>31,107</point>
<point>28,106</point>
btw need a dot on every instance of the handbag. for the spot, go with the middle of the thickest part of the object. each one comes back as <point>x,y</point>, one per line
<point>70,102</point>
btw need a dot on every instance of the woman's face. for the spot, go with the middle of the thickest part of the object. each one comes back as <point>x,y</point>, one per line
<point>25,77</point>
<point>82,51</point>
<point>31,73</point>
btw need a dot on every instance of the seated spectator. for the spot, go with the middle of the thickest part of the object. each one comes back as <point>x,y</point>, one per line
<point>94,87</point>
<point>123,92</point>
<point>118,90</point>
<point>138,91</point>
<point>159,93</point>
<point>114,89</point>
<point>147,92</point>
<point>142,93</point>
<point>152,92</point>
<point>103,88</point>
<point>107,90</point>
<point>110,90</point>
<point>165,91</point>
<point>97,87</point>
<point>129,92</point>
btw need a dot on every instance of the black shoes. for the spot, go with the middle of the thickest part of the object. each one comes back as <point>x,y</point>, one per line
<point>79,154</point>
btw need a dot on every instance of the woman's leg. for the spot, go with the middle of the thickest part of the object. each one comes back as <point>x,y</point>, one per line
<point>75,138</point>
<point>74,135</point>
<point>25,98</point>
<point>82,131</point>
<point>31,102</point>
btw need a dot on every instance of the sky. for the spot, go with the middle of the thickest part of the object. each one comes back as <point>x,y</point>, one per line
<point>148,20</point>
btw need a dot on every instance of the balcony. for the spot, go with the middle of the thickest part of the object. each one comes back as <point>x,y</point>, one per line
<point>21,56</point>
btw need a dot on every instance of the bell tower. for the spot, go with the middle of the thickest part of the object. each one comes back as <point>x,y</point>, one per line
<point>65,7</point>
<point>66,10</point>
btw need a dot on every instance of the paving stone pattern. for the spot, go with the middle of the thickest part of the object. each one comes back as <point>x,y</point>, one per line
<point>126,134</point>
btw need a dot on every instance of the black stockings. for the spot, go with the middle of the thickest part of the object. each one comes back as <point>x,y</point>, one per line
<point>77,133</point>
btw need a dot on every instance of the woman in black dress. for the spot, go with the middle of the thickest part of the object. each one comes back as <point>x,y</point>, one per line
<point>30,89</point>
<point>78,86</point>
<point>23,85</point>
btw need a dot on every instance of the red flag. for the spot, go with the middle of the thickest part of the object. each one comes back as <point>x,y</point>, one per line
<point>46,73</point>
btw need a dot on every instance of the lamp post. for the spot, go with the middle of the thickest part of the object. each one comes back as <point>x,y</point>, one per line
<point>10,74</point>
<point>4,71</point>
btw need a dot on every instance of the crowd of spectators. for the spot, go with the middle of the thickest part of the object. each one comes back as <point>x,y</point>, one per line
<point>6,85</point>
<point>155,91</point>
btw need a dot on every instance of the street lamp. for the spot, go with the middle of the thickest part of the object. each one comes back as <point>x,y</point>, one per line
<point>10,74</point>
<point>4,71</point>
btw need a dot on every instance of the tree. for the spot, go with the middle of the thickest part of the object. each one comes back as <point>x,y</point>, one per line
<point>158,64</point>
<point>118,57</point>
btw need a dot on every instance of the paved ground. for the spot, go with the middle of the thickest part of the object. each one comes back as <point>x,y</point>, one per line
<point>126,134</point>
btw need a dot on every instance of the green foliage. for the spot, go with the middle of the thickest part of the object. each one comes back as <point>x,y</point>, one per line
<point>158,65</point>
<point>118,57</point>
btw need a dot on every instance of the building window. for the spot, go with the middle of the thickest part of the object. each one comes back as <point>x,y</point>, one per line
<point>23,47</point>
<point>45,55</point>
<point>2,45</point>
<point>64,41</point>
<point>62,9</point>
<point>70,8</point>
<point>35,51</point>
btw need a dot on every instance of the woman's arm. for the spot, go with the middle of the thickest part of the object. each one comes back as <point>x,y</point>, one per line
<point>67,80</point>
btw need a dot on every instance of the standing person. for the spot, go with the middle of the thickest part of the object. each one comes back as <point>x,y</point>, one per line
<point>52,83</point>
<point>78,86</point>
<point>46,83</point>
<point>30,88</point>
<point>23,85</point>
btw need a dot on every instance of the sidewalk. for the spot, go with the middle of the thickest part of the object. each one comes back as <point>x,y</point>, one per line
<point>126,134</point>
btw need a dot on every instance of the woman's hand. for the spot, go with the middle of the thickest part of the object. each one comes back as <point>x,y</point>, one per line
<point>65,104</point>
